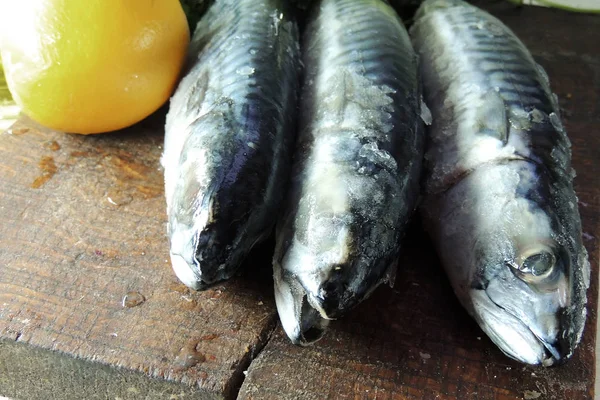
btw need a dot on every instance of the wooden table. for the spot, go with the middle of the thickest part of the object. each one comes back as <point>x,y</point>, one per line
<point>90,309</point>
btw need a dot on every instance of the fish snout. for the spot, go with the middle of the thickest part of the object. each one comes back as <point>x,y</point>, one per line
<point>203,257</point>
<point>538,339</point>
<point>302,323</point>
<point>559,344</point>
<point>312,325</point>
<point>333,297</point>
<point>568,336</point>
<point>191,276</point>
<point>349,283</point>
<point>186,273</point>
<point>200,268</point>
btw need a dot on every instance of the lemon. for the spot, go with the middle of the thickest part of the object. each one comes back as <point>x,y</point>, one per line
<point>92,66</point>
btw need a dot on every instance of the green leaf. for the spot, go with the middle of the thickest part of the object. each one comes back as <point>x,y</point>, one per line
<point>9,111</point>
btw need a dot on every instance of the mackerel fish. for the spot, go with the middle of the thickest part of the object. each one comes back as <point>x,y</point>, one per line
<point>229,136</point>
<point>499,200</point>
<point>356,167</point>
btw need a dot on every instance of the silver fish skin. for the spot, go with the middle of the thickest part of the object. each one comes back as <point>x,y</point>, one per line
<point>499,200</point>
<point>229,137</point>
<point>356,166</point>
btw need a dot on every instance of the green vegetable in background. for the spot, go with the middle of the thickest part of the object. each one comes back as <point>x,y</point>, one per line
<point>9,111</point>
<point>4,93</point>
<point>194,9</point>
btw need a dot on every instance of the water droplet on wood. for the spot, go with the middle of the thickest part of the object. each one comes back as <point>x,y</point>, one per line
<point>188,357</point>
<point>133,299</point>
<point>17,131</point>
<point>189,303</point>
<point>48,169</point>
<point>118,198</point>
<point>52,145</point>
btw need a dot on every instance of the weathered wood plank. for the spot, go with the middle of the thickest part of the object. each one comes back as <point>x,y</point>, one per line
<point>83,225</point>
<point>35,373</point>
<point>414,341</point>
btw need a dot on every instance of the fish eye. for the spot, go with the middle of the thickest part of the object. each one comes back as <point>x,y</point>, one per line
<point>538,264</point>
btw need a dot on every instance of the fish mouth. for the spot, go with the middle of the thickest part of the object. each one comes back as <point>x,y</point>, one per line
<point>181,237</point>
<point>313,323</point>
<point>302,319</point>
<point>305,315</point>
<point>307,302</point>
<point>188,276</point>
<point>513,336</point>
<point>198,260</point>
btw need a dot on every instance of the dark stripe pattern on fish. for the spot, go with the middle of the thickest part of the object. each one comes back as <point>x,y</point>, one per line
<point>356,166</point>
<point>499,200</point>
<point>229,136</point>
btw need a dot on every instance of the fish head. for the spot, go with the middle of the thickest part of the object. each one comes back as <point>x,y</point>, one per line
<point>204,247</point>
<point>523,303</point>
<point>511,245</point>
<point>195,255</point>
<point>307,301</point>
<point>323,270</point>
<point>309,280</point>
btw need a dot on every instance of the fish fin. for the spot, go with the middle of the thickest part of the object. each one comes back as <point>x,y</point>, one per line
<point>425,113</point>
<point>542,72</point>
<point>585,266</point>
<point>390,274</point>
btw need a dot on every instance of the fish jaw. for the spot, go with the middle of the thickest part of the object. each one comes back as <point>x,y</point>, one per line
<point>185,273</point>
<point>528,320</point>
<point>311,289</point>
<point>181,252</point>
<point>510,334</point>
<point>302,323</point>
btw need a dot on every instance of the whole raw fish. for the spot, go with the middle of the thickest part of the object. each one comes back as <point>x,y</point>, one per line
<point>499,200</point>
<point>357,163</point>
<point>229,136</point>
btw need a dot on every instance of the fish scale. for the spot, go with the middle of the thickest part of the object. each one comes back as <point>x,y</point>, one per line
<point>519,85</point>
<point>356,167</point>
<point>228,138</point>
<point>498,199</point>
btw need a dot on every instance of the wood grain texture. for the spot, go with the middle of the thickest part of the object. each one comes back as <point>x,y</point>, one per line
<point>84,225</point>
<point>414,341</point>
